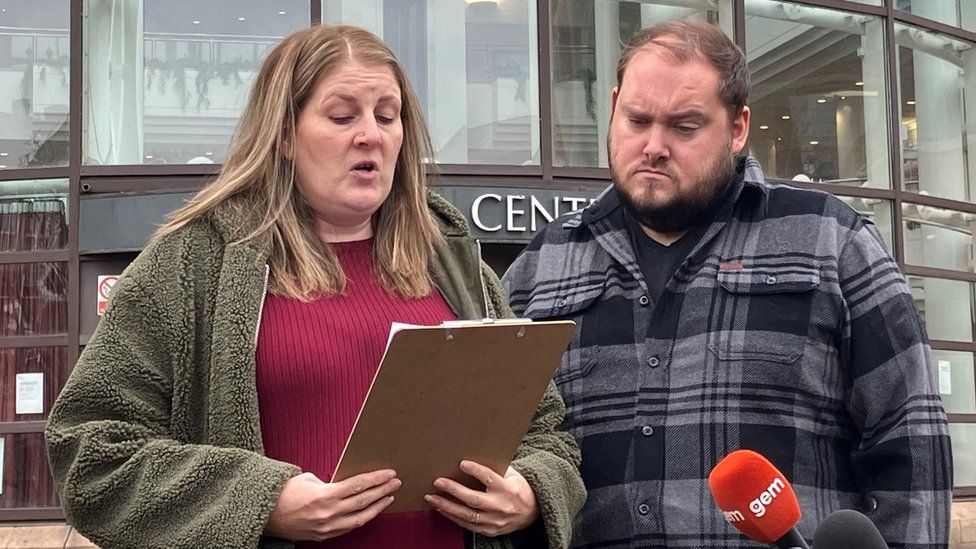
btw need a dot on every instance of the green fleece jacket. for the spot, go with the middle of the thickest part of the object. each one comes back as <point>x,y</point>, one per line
<point>155,440</point>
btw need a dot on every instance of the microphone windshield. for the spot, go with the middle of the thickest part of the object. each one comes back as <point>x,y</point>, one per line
<point>848,529</point>
<point>754,496</point>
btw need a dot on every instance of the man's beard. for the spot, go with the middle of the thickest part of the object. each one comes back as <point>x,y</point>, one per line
<point>688,207</point>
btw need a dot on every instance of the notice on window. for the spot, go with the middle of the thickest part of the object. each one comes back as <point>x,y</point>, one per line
<point>945,377</point>
<point>2,440</point>
<point>30,393</point>
<point>105,283</point>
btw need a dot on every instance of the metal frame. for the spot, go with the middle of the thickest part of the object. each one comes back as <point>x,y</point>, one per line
<point>148,179</point>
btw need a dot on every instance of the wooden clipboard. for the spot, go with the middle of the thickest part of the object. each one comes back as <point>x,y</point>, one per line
<point>452,392</point>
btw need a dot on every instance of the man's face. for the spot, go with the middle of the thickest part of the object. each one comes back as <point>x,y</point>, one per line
<point>671,142</point>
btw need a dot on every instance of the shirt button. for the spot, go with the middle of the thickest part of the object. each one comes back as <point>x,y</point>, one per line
<point>561,303</point>
<point>653,362</point>
<point>644,300</point>
<point>770,280</point>
<point>647,430</point>
<point>643,508</point>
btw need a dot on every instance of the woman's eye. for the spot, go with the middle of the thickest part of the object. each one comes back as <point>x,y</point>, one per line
<point>341,119</point>
<point>385,119</point>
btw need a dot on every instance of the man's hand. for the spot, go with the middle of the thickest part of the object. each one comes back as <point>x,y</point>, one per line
<point>507,504</point>
<point>311,510</point>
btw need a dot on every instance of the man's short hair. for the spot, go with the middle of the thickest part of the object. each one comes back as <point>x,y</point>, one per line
<point>689,40</point>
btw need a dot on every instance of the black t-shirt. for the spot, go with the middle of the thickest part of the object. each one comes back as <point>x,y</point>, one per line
<point>658,262</point>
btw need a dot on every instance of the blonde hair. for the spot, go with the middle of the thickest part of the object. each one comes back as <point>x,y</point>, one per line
<point>258,181</point>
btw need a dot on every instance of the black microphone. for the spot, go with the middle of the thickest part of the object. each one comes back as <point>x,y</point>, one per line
<point>848,529</point>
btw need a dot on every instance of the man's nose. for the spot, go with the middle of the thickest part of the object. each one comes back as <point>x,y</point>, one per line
<point>657,147</point>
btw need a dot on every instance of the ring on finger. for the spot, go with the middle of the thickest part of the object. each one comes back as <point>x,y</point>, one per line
<point>477,518</point>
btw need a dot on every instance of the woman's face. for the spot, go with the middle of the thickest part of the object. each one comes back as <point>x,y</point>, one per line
<point>347,140</point>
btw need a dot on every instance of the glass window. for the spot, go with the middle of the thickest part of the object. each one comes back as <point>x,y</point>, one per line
<point>165,80</point>
<point>34,83</point>
<point>963,437</point>
<point>937,90</point>
<point>818,99</point>
<point>33,215</point>
<point>946,307</point>
<point>938,238</point>
<point>878,211</point>
<point>955,375</point>
<point>955,13</point>
<point>32,378</point>
<point>33,299</point>
<point>26,477</point>
<point>474,66</point>
<point>587,37</point>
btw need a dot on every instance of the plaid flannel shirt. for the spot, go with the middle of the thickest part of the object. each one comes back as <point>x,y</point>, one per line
<point>789,330</point>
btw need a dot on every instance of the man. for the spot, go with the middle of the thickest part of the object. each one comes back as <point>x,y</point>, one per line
<point>718,312</point>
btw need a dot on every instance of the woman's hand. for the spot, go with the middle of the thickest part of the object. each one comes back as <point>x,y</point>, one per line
<point>311,510</point>
<point>507,504</point>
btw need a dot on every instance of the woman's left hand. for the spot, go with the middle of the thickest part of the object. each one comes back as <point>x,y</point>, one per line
<point>507,503</point>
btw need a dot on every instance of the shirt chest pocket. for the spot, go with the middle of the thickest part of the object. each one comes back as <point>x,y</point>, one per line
<point>762,315</point>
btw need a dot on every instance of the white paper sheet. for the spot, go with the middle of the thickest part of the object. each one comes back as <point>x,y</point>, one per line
<point>30,393</point>
<point>945,377</point>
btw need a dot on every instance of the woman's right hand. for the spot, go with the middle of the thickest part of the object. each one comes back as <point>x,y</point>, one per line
<point>311,510</point>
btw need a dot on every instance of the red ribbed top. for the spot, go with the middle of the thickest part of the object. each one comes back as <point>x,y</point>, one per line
<point>315,362</point>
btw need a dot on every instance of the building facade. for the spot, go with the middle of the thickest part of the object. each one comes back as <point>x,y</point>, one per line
<point>112,112</point>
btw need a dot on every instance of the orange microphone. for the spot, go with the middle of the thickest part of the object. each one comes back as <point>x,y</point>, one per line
<point>757,499</point>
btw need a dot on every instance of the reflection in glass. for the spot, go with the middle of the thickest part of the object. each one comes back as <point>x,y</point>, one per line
<point>818,100</point>
<point>937,237</point>
<point>937,90</point>
<point>946,307</point>
<point>34,83</point>
<point>474,67</point>
<point>33,299</point>
<point>963,437</point>
<point>33,215</point>
<point>165,80</point>
<point>956,382</point>
<point>27,481</point>
<point>955,13</point>
<point>876,210</point>
<point>587,37</point>
<point>50,362</point>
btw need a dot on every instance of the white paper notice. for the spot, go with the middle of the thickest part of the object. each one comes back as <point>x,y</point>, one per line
<point>30,393</point>
<point>2,440</point>
<point>945,377</point>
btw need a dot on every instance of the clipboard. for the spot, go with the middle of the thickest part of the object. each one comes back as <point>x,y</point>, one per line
<point>465,390</point>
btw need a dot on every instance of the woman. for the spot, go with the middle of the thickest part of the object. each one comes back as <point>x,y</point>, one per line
<point>239,345</point>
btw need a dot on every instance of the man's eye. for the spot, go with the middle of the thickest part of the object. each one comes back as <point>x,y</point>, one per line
<point>687,129</point>
<point>638,121</point>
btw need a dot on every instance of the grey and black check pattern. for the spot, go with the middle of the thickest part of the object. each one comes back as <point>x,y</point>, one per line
<point>789,330</point>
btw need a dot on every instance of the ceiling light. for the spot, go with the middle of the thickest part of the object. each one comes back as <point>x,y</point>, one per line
<point>779,139</point>
<point>3,166</point>
<point>843,97</point>
<point>814,142</point>
<point>763,127</point>
<point>821,100</point>
<point>785,117</point>
<point>209,153</point>
<point>281,13</point>
<point>859,83</point>
<point>196,22</point>
<point>240,19</point>
<point>149,157</point>
<point>910,102</point>
<point>3,154</point>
